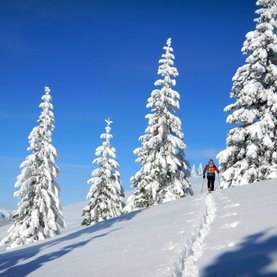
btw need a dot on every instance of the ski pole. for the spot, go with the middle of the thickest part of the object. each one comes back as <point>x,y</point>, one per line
<point>218,181</point>
<point>202,186</point>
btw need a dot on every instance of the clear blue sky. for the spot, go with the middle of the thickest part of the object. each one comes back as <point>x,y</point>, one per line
<point>100,58</point>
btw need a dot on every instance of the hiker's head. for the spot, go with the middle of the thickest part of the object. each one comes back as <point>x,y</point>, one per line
<point>211,161</point>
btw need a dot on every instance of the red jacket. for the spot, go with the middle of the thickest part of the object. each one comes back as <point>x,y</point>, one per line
<point>210,169</point>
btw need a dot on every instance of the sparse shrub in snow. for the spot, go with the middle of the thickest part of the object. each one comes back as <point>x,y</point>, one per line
<point>193,171</point>
<point>38,215</point>
<point>106,194</point>
<point>200,170</point>
<point>251,152</point>
<point>164,172</point>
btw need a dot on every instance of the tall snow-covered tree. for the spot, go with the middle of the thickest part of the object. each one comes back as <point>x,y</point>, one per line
<point>39,215</point>
<point>164,172</point>
<point>193,171</point>
<point>200,170</point>
<point>251,151</point>
<point>106,194</point>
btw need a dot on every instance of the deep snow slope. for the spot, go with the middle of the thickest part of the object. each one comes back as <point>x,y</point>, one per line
<point>142,243</point>
<point>230,232</point>
<point>243,236</point>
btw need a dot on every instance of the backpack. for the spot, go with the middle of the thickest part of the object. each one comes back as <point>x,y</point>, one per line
<point>211,169</point>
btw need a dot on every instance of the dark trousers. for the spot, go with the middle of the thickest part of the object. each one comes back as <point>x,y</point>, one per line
<point>211,182</point>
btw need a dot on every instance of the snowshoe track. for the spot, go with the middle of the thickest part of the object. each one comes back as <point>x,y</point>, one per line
<point>186,265</point>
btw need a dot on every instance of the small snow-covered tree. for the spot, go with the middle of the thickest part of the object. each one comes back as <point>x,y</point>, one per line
<point>193,171</point>
<point>106,194</point>
<point>164,172</point>
<point>38,215</point>
<point>200,170</point>
<point>251,152</point>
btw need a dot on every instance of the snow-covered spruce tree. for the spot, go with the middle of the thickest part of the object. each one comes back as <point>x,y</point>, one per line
<point>251,152</point>
<point>106,194</point>
<point>193,171</point>
<point>164,172</point>
<point>200,170</point>
<point>38,215</point>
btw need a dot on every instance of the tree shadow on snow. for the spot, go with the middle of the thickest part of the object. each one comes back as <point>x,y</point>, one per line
<point>252,258</point>
<point>27,268</point>
<point>9,260</point>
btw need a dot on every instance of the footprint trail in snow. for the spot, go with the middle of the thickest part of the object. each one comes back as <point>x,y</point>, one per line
<point>188,264</point>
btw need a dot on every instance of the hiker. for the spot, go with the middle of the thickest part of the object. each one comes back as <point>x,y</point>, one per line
<point>210,169</point>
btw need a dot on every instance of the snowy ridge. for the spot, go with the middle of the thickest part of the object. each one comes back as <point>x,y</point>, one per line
<point>186,265</point>
<point>5,217</point>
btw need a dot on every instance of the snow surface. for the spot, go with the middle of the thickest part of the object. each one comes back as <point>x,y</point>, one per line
<point>231,232</point>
